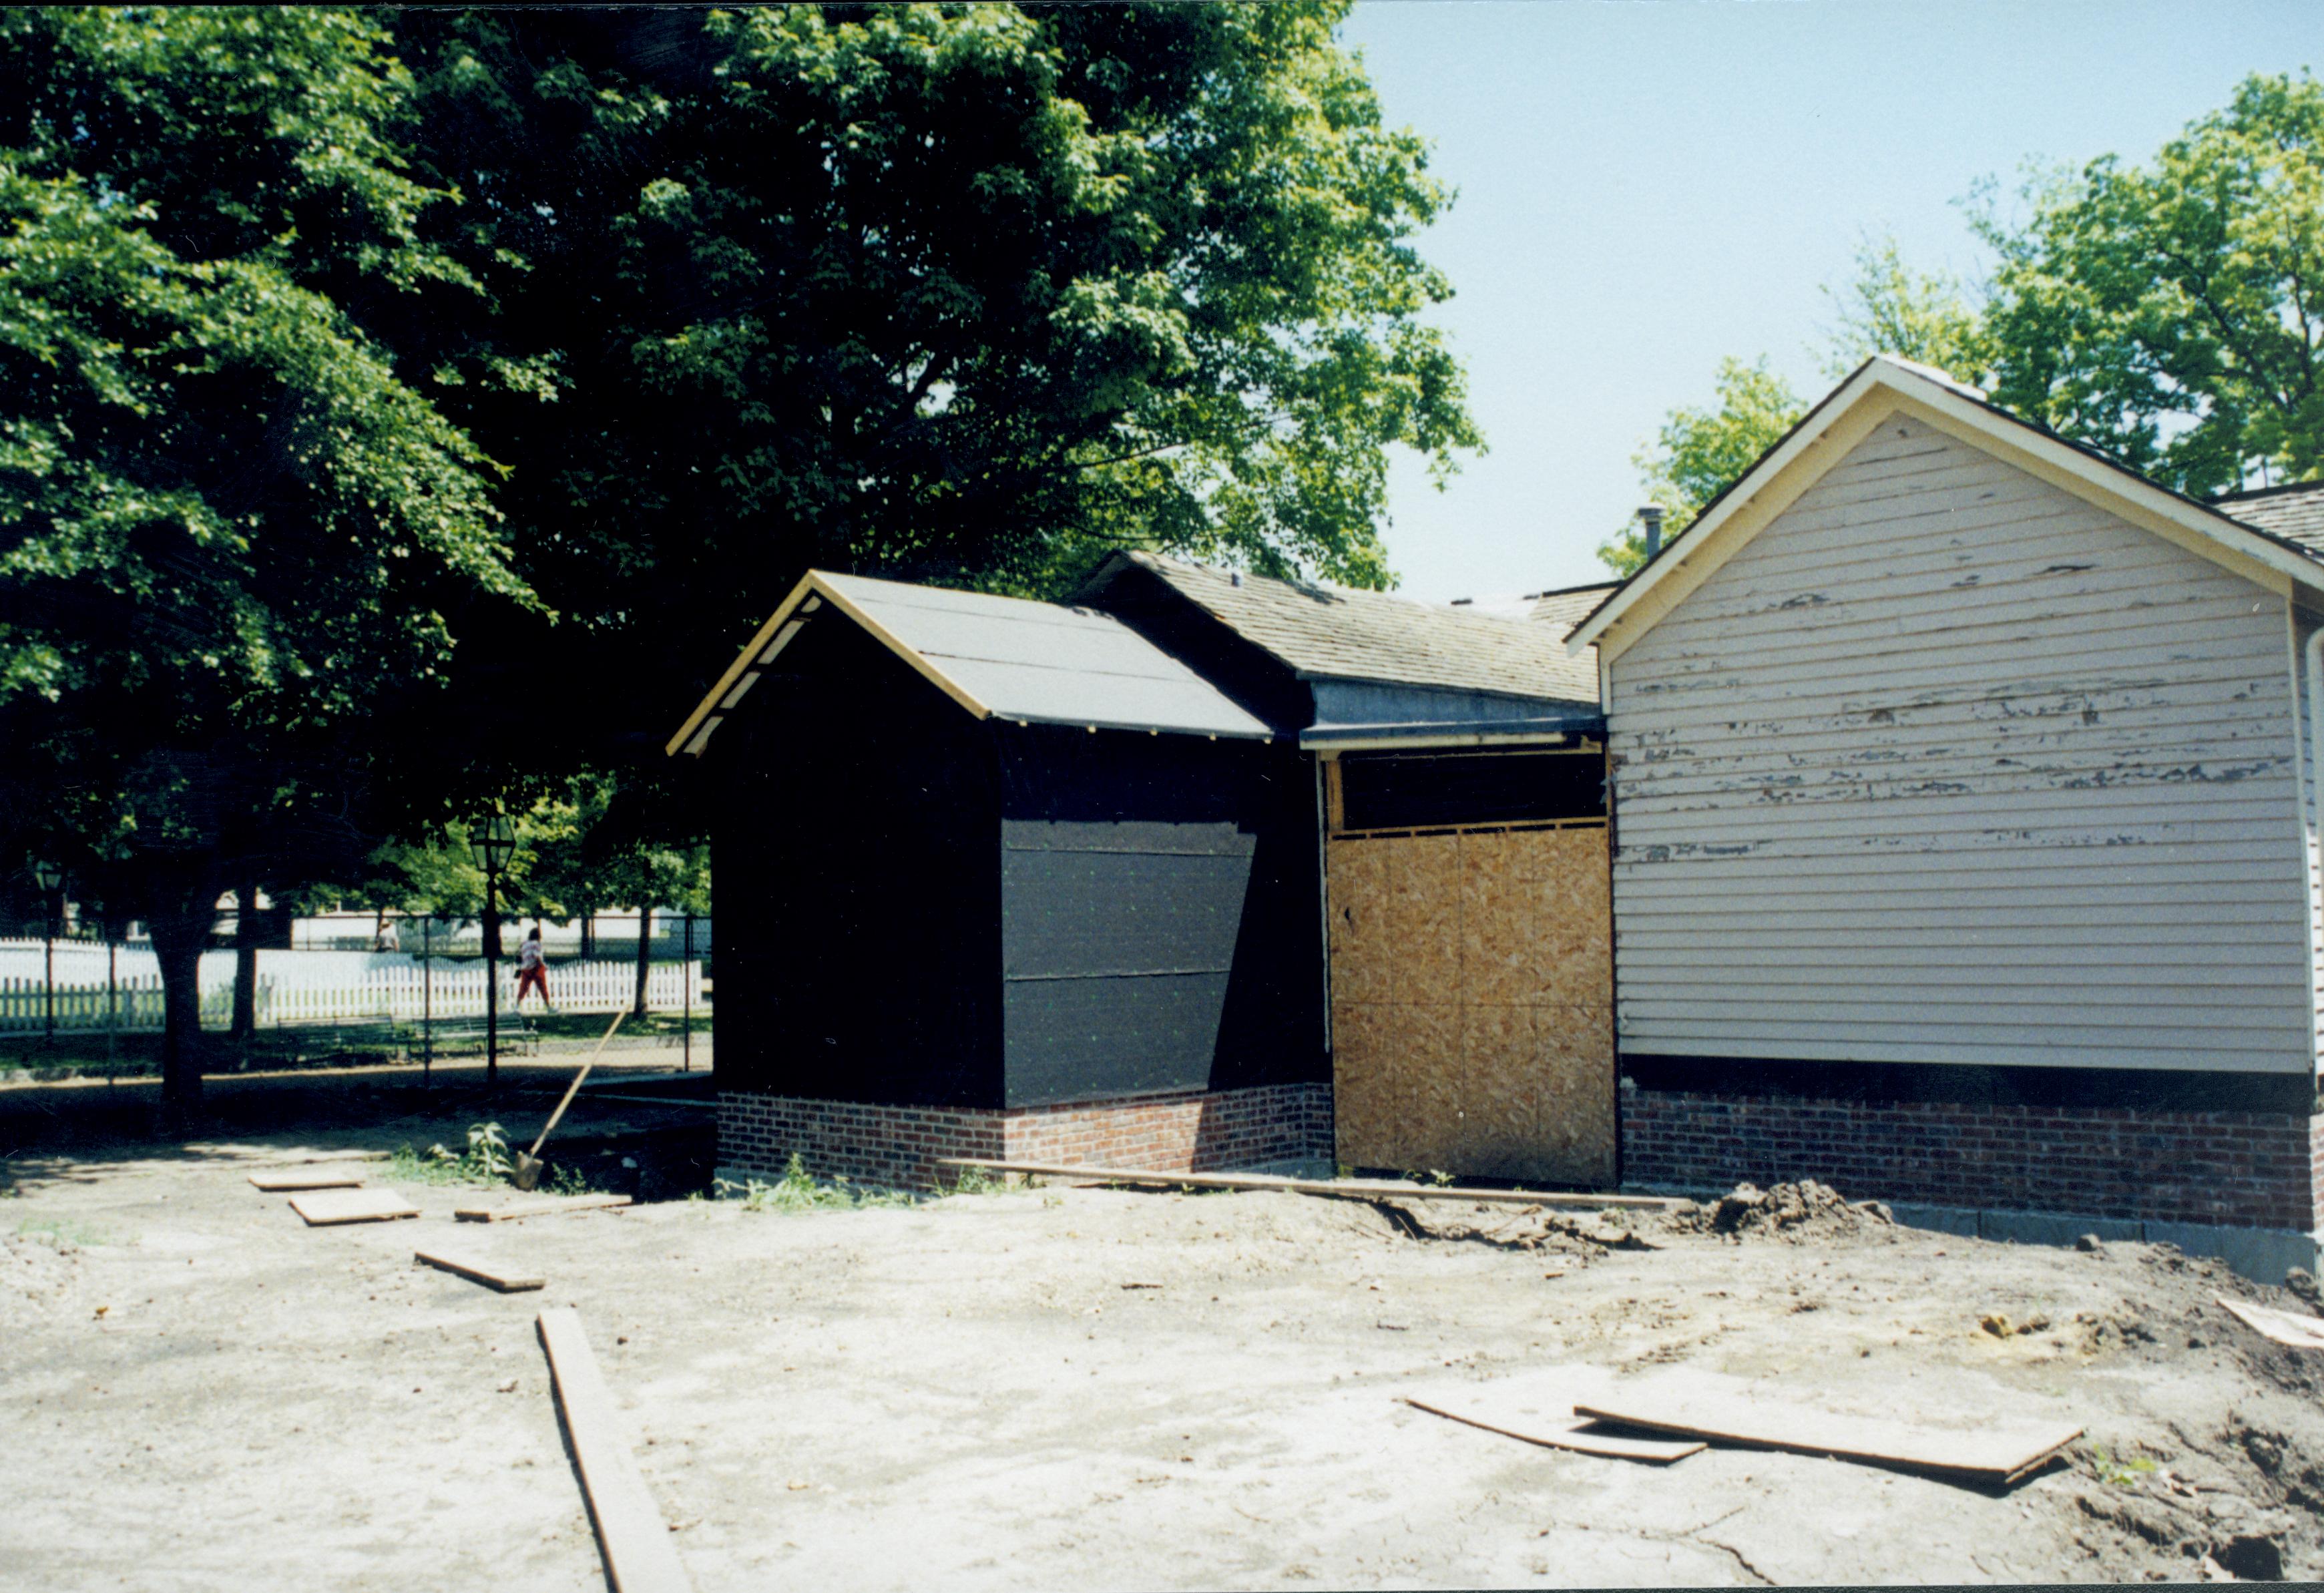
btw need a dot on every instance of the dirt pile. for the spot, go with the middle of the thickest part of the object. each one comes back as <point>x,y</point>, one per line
<point>1795,1213</point>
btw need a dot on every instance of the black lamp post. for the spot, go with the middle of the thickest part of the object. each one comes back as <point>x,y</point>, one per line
<point>51,879</point>
<point>492,842</point>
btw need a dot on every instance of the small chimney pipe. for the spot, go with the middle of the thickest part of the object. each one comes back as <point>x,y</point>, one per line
<point>1651,519</point>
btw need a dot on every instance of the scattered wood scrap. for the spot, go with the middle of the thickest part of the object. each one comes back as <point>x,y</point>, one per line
<point>1367,1189</point>
<point>630,1532</point>
<point>1726,1411</point>
<point>507,1283</point>
<point>2281,1327</point>
<point>326,1208</point>
<point>1551,1424</point>
<point>524,1209</point>
<point>278,1182</point>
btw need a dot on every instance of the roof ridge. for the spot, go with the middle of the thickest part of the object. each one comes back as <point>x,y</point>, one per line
<point>2313,484</point>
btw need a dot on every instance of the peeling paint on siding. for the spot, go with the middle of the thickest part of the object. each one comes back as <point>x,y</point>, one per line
<point>1949,765</point>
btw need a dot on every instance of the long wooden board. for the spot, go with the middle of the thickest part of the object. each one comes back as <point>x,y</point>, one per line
<point>2283,1327</point>
<point>1726,1411</point>
<point>524,1209</point>
<point>630,1532</point>
<point>277,1183</point>
<point>1360,1188</point>
<point>507,1283</point>
<point>324,1208</point>
<point>1582,1434</point>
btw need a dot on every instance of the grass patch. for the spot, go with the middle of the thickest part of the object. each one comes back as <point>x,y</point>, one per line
<point>797,1190</point>
<point>486,1164</point>
<point>56,1233</point>
<point>591,1026</point>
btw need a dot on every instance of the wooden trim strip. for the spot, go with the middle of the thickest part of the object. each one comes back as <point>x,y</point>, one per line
<point>1361,1189</point>
<point>630,1532</point>
<point>539,1208</point>
<point>476,1272</point>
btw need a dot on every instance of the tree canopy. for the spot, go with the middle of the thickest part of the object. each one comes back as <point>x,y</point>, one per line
<point>959,293</point>
<point>405,408</point>
<point>2170,315</point>
<point>227,526</point>
<point>2173,314</point>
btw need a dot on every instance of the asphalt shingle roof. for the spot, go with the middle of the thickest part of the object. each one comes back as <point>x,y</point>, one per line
<point>1045,663</point>
<point>1344,633</point>
<point>1565,609</point>
<point>2295,513</point>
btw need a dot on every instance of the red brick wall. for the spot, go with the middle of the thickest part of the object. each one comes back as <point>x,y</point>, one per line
<point>2237,1169</point>
<point>898,1146</point>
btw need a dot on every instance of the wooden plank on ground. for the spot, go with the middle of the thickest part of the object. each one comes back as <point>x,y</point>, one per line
<point>1367,1189</point>
<point>492,1277</point>
<point>278,1182</point>
<point>1725,1410</point>
<point>630,1532</point>
<point>524,1209</point>
<point>326,1207</point>
<point>2283,1327</point>
<point>1550,1423</point>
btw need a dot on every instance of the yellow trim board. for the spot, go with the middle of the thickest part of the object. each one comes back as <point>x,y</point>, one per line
<point>812,585</point>
<point>1887,386</point>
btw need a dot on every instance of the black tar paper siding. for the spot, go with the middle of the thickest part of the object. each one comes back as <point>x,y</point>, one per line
<point>855,845</point>
<point>1152,936</point>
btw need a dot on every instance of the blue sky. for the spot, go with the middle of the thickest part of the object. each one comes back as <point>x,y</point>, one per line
<point>1647,185</point>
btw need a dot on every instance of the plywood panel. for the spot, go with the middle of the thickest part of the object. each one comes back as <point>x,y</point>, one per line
<point>1471,1001</point>
<point>1421,958</point>
<point>1424,1054</point>
<point>1360,909</point>
<point>1498,1093</point>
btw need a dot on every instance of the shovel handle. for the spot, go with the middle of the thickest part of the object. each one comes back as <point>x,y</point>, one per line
<point>556,1115</point>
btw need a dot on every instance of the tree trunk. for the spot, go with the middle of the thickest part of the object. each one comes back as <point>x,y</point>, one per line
<point>645,959</point>
<point>588,933</point>
<point>245,961</point>
<point>178,934</point>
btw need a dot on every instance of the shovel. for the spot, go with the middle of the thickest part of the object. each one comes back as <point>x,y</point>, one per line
<point>528,1163</point>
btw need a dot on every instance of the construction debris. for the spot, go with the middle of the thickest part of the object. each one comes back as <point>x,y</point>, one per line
<point>517,1213</point>
<point>507,1283</point>
<point>329,1207</point>
<point>1792,1212</point>
<point>630,1532</point>
<point>1541,1411</point>
<point>1724,1410</point>
<point>2281,1327</point>
<point>277,1183</point>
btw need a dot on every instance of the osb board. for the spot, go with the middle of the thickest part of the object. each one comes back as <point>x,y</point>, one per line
<point>1472,1004</point>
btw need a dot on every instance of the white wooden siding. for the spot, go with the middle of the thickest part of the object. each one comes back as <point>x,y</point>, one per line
<point>1946,765</point>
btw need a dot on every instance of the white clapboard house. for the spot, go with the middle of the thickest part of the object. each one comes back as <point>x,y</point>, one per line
<point>1964,785</point>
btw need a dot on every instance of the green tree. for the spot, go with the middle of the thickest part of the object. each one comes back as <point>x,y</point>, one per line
<point>1698,451</point>
<point>963,293</point>
<point>2173,314</point>
<point>1889,308</point>
<point>230,532</point>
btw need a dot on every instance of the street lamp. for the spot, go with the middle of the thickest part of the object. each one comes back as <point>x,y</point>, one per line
<point>492,842</point>
<point>51,879</point>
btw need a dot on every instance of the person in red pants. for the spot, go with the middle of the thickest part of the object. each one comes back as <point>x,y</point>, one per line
<point>532,971</point>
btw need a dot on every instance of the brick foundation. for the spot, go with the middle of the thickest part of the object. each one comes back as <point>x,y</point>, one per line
<point>899,1145</point>
<point>2230,1169</point>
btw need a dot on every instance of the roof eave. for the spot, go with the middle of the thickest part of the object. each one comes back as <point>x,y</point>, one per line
<point>1902,383</point>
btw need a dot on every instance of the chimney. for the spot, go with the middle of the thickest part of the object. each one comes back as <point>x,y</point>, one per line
<point>1651,519</point>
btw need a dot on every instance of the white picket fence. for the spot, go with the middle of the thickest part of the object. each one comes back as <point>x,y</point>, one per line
<point>391,989</point>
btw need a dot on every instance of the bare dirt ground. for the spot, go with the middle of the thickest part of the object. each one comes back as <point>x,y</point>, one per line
<point>197,1391</point>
